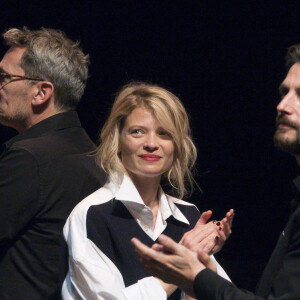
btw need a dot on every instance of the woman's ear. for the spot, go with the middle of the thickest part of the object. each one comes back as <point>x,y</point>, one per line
<point>43,91</point>
<point>119,144</point>
<point>119,151</point>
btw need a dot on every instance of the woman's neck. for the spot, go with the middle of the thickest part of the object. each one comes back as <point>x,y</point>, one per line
<point>148,189</point>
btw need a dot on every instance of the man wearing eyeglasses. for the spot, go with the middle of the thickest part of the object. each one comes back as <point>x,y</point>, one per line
<point>44,170</point>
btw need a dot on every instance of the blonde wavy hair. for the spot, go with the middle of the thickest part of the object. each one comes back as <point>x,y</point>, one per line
<point>172,116</point>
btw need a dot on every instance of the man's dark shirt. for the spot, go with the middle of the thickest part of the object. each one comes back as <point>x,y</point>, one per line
<point>281,277</point>
<point>44,172</point>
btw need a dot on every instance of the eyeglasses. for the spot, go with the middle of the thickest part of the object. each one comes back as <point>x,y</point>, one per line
<point>5,76</point>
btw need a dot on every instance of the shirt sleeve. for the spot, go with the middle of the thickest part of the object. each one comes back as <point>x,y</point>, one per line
<point>210,286</point>
<point>220,271</point>
<point>19,190</point>
<point>92,275</point>
<point>284,284</point>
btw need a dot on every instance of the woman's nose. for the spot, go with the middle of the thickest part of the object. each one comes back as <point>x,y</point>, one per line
<point>150,143</point>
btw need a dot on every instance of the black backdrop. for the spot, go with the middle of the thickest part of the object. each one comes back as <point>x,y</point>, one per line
<point>225,60</point>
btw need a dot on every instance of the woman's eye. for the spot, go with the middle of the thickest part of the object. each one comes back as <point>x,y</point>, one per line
<point>164,134</point>
<point>136,131</point>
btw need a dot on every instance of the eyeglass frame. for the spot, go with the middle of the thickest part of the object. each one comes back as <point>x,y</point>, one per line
<point>20,77</point>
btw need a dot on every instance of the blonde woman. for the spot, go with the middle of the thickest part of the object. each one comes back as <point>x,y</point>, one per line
<point>145,139</point>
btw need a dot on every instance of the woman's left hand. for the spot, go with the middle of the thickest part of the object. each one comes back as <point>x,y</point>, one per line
<point>208,237</point>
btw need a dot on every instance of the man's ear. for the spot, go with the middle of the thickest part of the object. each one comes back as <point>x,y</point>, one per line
<point>42,93</point>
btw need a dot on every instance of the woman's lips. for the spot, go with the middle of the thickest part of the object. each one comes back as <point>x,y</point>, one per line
<point>150,157</point>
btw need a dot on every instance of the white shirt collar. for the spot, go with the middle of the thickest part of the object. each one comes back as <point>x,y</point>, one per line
<point>128,192</point>
<point>130,197</point>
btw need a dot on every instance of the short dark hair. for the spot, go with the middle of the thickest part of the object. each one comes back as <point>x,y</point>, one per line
<point>51,56</point>
<point>292,56</point>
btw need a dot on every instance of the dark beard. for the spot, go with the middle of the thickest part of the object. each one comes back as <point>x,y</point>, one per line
<point>291,146</point>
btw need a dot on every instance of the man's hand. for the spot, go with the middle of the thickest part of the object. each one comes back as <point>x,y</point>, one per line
<point>208,237</point>
<point>173,263</point>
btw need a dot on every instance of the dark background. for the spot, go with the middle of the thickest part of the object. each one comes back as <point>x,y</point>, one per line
<point>225,60</point>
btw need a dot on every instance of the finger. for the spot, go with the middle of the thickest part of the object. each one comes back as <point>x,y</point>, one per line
<point>229,216</point>
<point>223,235</point>
<point>198,233</point>
<point>231,211</point>
<point>218,225</point>
<point>157,247</point>
<point>205,216</point>
<point>208,245</point>
<point>142,250</point>
<point>192,239</point>
<point>226,226</point>
<point>227,222</point>
<point>169,245</point>
<point>206,260</point>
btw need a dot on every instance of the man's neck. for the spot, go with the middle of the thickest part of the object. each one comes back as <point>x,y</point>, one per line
<point>45,115</point>
<point>37,119</point>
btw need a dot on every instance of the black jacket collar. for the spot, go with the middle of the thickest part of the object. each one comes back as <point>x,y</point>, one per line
<point>57,122</point>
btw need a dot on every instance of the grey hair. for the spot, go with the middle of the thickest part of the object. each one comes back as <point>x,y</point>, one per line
<point>51,56</point>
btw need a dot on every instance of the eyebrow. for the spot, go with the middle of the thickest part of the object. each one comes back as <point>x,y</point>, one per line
<point>145,127</point>
<point>136,125</point>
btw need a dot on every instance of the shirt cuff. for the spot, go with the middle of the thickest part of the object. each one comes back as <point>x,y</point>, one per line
<point>147,288</point>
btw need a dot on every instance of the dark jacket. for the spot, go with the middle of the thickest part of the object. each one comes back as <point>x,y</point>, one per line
<point>281,277</point>
<point>44,172</point>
